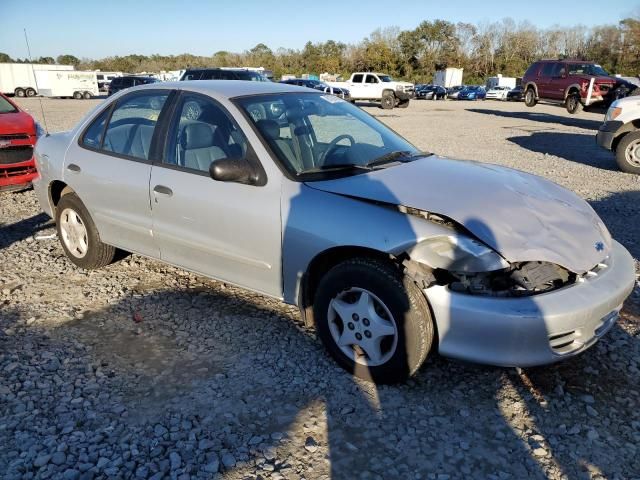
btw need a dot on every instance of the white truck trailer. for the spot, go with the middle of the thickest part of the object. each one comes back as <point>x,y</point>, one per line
<point>449,77</point>
<point>18,78</point>
<point>65,84</point>
<point>500,81</point>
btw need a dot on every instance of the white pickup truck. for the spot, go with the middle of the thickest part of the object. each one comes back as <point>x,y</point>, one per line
<point>620,132</point>
<point>377,87</point>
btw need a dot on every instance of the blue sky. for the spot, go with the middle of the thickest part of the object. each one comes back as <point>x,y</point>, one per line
<point>118,27</point>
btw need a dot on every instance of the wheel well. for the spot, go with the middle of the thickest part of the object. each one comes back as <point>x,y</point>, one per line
<point>324,262</point>
<point>56,190</point>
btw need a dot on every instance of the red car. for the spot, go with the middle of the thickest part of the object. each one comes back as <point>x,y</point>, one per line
<point>18,134</point>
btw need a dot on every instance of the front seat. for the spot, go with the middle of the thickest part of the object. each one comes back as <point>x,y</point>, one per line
<point>199,146</point>
<point>271,130</point>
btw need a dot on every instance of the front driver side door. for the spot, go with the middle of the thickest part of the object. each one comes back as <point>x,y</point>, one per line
<point>224,230</point>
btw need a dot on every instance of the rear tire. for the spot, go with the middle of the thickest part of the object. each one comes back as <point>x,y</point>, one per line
<point>530,97</point>
<point>628,153</point>
<point>388,100</point>
<point>573,104</point>
<point>77,95</point>
<point>31,92</point>
<point>19,92</point>
<point>79,236</point>
<point>398,315</point>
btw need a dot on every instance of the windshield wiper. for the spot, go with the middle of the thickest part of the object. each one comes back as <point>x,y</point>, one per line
<point>334,167</point>
<point>399,156</point>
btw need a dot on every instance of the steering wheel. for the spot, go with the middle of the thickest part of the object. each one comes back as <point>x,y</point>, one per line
<point>334,144</point>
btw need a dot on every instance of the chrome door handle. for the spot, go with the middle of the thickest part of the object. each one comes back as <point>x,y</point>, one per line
<point>162,190</point>
<point>72,167</point>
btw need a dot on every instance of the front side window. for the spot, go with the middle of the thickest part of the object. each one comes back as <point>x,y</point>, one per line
<point>312,133</point>
<point>203,132</point>
<point>371,79</point>
<point>132,124</point>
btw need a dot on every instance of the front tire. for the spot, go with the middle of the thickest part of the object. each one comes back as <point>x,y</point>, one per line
<point>31,92</point>
<point>79,236</point>
<point>388,100</point>
<point>628,153</point>
<point>374,321</point>
<point>573,104</point>
<point>530,97</point>
<point>87,95</point>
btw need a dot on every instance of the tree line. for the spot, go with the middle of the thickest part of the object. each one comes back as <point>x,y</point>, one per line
<point>483,50</point>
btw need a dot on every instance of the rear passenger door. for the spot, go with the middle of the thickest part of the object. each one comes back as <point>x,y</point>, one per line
<point>109,168</point>
<point>543,82</point>
<point>357,86</point>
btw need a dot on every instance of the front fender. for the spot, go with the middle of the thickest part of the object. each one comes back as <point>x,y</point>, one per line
<point>314,221</point>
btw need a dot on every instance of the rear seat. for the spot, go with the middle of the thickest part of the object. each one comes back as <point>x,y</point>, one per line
<point>134,140</point>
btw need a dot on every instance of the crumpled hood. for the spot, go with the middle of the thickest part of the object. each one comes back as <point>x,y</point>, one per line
<point>521,216</point>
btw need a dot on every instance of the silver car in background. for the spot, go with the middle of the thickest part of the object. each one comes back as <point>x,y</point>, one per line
<point>299,195</point>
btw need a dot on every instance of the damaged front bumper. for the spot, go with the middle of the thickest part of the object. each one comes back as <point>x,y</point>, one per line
<point>533,330</point>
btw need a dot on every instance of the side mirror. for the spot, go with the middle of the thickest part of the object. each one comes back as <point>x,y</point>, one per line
<point>232,170</point>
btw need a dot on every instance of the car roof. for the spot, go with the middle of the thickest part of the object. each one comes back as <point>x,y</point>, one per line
<point>226,88</point>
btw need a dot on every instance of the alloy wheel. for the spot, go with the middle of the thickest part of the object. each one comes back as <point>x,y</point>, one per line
<point>74,233</point>
<point>362,327</point>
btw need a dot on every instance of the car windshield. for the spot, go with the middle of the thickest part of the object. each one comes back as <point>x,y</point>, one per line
<point>317,134</point>
<point>586,69</point>
<point>6,106</point>
<point>385,78</point>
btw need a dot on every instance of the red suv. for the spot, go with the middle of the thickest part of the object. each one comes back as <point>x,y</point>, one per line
<point>568,81</point>
<point>18,134</point>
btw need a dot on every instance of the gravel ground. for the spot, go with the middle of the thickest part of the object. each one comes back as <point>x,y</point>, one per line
<point>142,370</point>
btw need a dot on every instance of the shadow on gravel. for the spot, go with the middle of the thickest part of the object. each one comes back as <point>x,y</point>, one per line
<point>15,232</point>
<point>542,117</point>
<point>575,147</point>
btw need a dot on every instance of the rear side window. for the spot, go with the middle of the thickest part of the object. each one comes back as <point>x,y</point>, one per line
<point>357,78</point>
<point>532,70</point>
<point>132,124</point>
<point>547,69</point>
<point>93,135</point>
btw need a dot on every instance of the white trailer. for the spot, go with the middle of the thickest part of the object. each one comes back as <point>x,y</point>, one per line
<point>18,78</point>
<point>76,84</point>
<point>500,81</point>
<point>449,77</point>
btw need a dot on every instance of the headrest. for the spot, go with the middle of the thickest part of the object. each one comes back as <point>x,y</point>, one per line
<point>198,135</point>
<point>269,128</point>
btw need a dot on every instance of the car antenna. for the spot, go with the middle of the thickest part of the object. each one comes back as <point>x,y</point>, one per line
<point>33,71</point>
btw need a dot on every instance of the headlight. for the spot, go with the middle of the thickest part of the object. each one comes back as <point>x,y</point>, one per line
<point>399,88</point>
<point>612,113</point>
<point>457,252</point>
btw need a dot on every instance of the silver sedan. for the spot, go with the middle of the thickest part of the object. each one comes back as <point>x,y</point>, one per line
<point>390,252</point>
